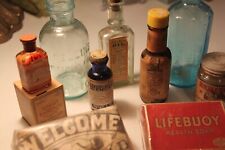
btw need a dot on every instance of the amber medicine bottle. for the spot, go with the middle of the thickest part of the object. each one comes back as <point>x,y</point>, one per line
<point>100,82</point>
<point>33,65</point>
<point>155,59</point>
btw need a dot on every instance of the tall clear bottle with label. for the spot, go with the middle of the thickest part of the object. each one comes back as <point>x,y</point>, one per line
<point>118,40</point>
<point>66,41</point>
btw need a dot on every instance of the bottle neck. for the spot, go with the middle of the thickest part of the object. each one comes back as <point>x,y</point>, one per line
<point>156,39</point>
<point>193,2</point>
<point>97,68</point>
<point>115,14</point>
<point>29,46</point>
<point>62,18</point>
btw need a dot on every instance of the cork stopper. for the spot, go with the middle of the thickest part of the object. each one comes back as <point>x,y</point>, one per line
<point>98,57</point>
<point>29,42</point>
<point>158,18</point>
<point>214,62</point>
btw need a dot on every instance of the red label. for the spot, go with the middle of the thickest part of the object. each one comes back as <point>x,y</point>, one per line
<point>173,126</point>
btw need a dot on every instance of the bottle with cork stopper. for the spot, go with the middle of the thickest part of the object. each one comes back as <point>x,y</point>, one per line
<point>100,82</point>
<point>33,65</point>
<point>155,59</point>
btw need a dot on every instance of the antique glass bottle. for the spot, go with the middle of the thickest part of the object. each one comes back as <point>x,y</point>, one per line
<point>155,60</point>
<point>188,38</point>
<point>100,81</point>
<point>66,41</point>
<point>118,40</point>
<point>33,65</point>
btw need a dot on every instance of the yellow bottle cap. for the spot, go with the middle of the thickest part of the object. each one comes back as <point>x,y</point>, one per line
<point>158,18</point>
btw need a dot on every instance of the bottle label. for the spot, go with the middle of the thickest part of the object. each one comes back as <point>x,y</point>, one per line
<point>205,91</point>
<point>118,58</point>
<point>36,75</point>
<point>100,93</point>
<point>154,79</point>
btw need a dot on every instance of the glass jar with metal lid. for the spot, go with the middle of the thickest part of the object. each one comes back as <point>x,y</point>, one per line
<point>211,78</point>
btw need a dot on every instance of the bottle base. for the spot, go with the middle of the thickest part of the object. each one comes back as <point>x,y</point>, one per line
<point>184,76</point>
<point>182,86</point>
<point>73,83</point>
<point>155,101</point>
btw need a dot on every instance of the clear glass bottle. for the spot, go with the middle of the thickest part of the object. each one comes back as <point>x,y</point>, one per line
<point>188,38</point>
<point>66,41</point>
<point>118,40</point>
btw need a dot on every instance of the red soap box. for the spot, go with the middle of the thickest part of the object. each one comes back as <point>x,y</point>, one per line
<point>182,126</point>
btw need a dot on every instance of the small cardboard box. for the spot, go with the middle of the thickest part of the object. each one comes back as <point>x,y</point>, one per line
<point>42,106</point>
<point>176,126</point>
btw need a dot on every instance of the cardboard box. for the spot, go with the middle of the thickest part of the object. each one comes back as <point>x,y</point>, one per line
<point>182,126</point>
<point>45,105</point>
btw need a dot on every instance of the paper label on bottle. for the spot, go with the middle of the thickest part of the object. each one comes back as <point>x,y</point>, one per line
<point>51,106</point>
<point>118,58</point>
<point>205,91</point>
<point>100,93</point>
<point>36,75</point>
<point>154,78</point>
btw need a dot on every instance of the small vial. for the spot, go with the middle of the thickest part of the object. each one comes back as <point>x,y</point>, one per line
<point>100,82</point>
<point>33,65</point>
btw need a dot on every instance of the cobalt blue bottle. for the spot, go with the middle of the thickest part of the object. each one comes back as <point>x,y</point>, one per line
<point>100,81</point>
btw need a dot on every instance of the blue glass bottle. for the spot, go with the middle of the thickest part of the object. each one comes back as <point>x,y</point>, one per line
<point>188,38</point>
<point>100,81</point>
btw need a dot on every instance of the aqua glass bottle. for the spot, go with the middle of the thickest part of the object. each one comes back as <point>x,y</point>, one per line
<point>66,41</point>
<point>188,38</point>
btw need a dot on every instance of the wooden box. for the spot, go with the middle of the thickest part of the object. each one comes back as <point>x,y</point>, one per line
<point>42,106</point>
<point>183,126</point>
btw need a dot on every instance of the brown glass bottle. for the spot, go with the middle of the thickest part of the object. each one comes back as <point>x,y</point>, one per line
<point>155,59</point>
<point>33,65</point>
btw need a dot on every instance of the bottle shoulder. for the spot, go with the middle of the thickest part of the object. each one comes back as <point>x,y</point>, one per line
<point>113,30</point>
<point>147,53</point>
<point>74,24</point>
<point>107,74</point>
<point>180,6</point>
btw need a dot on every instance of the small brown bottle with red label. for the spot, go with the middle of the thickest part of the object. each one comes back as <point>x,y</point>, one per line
<point>155,59</point>
<point>33,65</point>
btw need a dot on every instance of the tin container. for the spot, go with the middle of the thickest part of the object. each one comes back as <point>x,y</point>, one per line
<point>211,78</point>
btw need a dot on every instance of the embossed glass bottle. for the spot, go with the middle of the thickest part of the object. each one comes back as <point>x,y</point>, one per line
<point>66,41</point>
<point>118,40</point>
<point>188,38</point>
